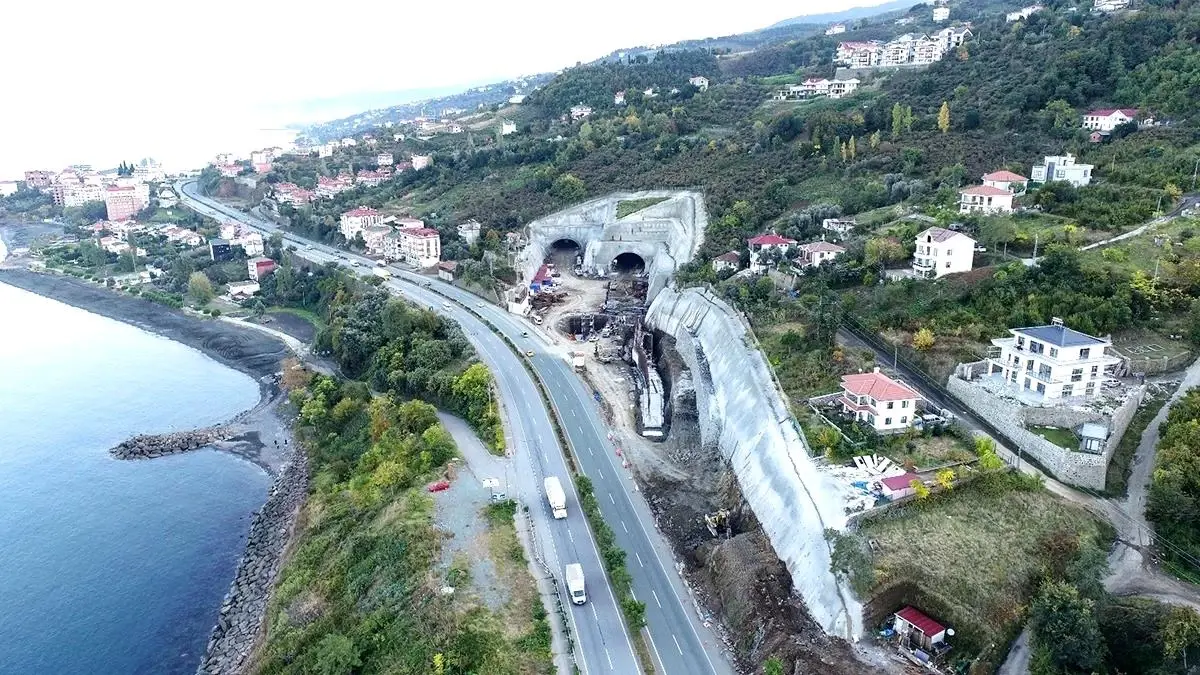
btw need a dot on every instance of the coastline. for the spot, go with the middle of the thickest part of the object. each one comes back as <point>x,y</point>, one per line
<point>260,435</point>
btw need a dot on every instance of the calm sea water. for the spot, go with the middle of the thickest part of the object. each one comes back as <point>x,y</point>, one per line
<point>111,566</point>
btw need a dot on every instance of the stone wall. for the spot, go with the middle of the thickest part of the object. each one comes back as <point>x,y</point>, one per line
<point>244,608</point>
<point>1068,465</point>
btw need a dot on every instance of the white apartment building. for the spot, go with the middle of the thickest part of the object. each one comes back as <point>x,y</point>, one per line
<point>840,88</point>
<point>384,159</point>
<point>836,29</point>
<point>1051,362</point>
<point>1109,5</point>
<point>1105,120</point>
<point>417,246</point>
<point>985,199</point>
<point>700,82</point>
<point>941,14</point>
<point>507,127</point>
<point>421,161</point>
<point>373,236</point>
<point>469,231</point>
<point>1064,168</point>
<point>859,54</point>
<point>354,221</point>
<point>941,252</point>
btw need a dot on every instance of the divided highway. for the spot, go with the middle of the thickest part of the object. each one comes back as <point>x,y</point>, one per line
<point>680,643</point>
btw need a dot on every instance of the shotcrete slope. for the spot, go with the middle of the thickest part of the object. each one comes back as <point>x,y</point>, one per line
<point>743,413</point>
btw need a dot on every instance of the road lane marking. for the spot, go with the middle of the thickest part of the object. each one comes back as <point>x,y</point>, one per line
<point>594,613</point>
<point>656,600</point>
<point>571,536</point>
<point>624,528</point>
<point>601,474</point>
<point>677,644</point>
<point>610,498</point>
<point>610,663</point>
<point>639,559</point>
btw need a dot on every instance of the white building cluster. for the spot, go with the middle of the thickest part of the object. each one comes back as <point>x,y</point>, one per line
<point>910,49</point>
<point>402,239</point>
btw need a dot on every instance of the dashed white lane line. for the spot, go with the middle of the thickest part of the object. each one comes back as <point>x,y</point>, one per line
<point>656,601</point>
<point>610,498</point>
<point>624,528</point>
<point>680,649</point>
<point>639,559</point>
<point>601,473</point>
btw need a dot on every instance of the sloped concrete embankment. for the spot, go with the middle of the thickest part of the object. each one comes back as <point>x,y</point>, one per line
<point>741,410</point>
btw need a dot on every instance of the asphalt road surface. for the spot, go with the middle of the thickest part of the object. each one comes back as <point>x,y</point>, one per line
<point>679,641</point>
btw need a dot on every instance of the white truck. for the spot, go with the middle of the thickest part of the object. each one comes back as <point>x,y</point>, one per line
<point>556,497</point>
<point>575,584</point>
<point>381,273</point>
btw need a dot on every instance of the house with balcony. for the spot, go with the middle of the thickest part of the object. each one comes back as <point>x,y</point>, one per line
<point>884,404</point>
<point>1006,180</point>
<point>1064,168</point>
<point>815,253</point>
<point>1105,120</point>
<point>985,199</point>
<point>940,252</point>
<point>1046,363</point>
<point>766,247</point>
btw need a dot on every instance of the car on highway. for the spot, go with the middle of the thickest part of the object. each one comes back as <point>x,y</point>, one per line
<point>529,353</point>
<point>308,247</point>
<point>446,304</point>
<point>479,304</point>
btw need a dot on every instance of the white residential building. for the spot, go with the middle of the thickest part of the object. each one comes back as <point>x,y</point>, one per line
<point>941,14</point>
<point>985,199</point>
<point>1006,180</point>
<point>1023,13</point>
<point>384,159</point>
<point>839,227</point>
<point>700,82</point>
<point>941,252</point>
<point>813,87</point>
<point>373,237</point>
<point>469,231</point>
<point>859,54</point>
<point>507,127</point>
<point>417,246</point>
<point>840,88</point>
<point>354,221</point>
<point>835,29</point>
<point>762,246</point>
<point>952,36</point>
<point>1105,120</point>
<point>579,112</point>
<point>1052,362</point>
<point>421,161</point>
<point>8,187</point>
<point>815,253</point>
<point>251,242</point>
<point>886,405</point>
<point>1063,168</point>
<point>1109,5</point>
<point>619,98</point>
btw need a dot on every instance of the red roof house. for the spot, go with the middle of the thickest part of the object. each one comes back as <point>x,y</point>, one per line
<point>895,487</point>
<point>771,239</point>
<point>922,631</point>
<point>881,402</point>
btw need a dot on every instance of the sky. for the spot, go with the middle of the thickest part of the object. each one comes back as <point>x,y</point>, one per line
<point>99,82</point>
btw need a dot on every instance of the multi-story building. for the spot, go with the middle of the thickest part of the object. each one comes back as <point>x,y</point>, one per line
<point>1105,120</point>
<point>941,252</point>
<point>1006,180</point>
<point>1064,168</point>
<point>418,246</point>
<point>38,180</point>
<point>985,199</point>
<point>838,226</point>
<point>328,187</point>
<point>815,253</point>
<point>421,161</point>
<point>354,221</point>
<point>840,88</point>
<point>469,231</point>
<point>373,237</point>
<point>1052,362</point>
<point>365,177</point>
<point>72,192</point>
<point>763,247</point>
<point>886,405</point>
<point>952,36</point>
<point>251,243</point>
<point>507,127</point>
<point>1109,5</point>
<point>123,203</point>
<point>941,14</point>
<point>859,54</point>
<point>836,29</point>
<point>290,193</point>
<point>384,159</point>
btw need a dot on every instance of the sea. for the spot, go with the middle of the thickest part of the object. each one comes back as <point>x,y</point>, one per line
<point>111,566</point>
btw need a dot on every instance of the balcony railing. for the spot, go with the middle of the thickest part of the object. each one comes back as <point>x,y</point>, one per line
<point>924,263</point>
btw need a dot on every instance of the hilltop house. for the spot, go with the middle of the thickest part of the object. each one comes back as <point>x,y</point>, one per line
<point>1006,180</point>
<point>1109,5</point>
<point>1023,13</point>
<point>985,199</point>
<point>1064,168</point>
<point>884,404</point>
<point>762,248</point>
<point>469,231</point>
<point>619,98</point>
<point>1051,362</point>
<point>941,252</point>
<point>700,82</point>
<point>581,111</point>
<point>727,261</point>
<point>836,29</point>
<point>817,252</point>
<point>1105,120</point>
<point>838,226</point>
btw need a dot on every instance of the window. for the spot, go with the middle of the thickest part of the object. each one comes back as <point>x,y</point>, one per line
<point>1054,352</point>
<point>1091,388</point>
<point>887,421</point>
<point>1077,374</point>
<point>1029,365</point>
<point>891,404</point>
<point>904,404</point>
<point>947,263</point>
<point>1020,343</point>
<point>1027,383</point>
<point>1095,371</point>
<point>1067,390</point>
<point>1085,352</point>
<point>1036,347</point>
<point>904,420</point>
<point>1041,388</point>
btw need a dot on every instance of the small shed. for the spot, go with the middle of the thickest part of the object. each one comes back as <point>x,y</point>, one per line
<point>542,280</point>
<point>895,487</point>
<point>1093,436</point>
<point>446,270</point>
<point>921,631</point>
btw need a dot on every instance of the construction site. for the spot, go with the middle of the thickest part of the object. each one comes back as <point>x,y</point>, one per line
<point>591,298</point>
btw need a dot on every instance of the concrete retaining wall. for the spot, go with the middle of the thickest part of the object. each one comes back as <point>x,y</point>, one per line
<point>743,413</point>
<point>1068,465</point>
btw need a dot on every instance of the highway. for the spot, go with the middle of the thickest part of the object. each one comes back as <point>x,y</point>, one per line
<point>680,643</point>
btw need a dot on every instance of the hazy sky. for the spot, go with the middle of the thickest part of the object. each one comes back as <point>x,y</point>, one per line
<point>98,82</point>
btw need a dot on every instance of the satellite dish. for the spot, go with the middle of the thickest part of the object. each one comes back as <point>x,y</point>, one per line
<point>950,632</point>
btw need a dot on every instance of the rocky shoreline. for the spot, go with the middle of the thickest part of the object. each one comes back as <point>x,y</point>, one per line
<point>149,446</point>
<point>244,608</point>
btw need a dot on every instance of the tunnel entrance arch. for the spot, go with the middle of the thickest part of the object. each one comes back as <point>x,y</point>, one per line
<point>628,263</point>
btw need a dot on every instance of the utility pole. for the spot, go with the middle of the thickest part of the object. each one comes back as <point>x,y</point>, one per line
<point>1036,236</point>
<point>1194,170</point>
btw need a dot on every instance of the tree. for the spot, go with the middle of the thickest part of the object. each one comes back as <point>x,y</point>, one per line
<point>923,340</point>
<point>919,488</point>
<point>1064,624</point>
<point>944,117</point>
<point>897,120</point>
<point>200,288</point>
<point>827,439</point>
<point>1180,631</point>
<point>874,140</point>
<point>773,666</point>
<point>945,478</point>
<point>568,188</point>
<point>853,148</point>
<point>335,655</point>
<point>1172,191</point>
<point>259,309</point>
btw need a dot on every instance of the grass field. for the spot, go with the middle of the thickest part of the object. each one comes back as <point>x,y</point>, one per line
<point>1063,438</point>
<point>975,551</point>
<point>1162,245</point>
<point>628,206</point>
<point>305,314</point>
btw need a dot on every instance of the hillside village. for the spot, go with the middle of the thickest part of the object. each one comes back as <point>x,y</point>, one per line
<point>964,241</point>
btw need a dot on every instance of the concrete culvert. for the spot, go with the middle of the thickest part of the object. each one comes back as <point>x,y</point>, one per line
<point>628,263</point>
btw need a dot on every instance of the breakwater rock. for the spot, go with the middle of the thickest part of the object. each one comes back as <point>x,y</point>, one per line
<point>245,605</point>
<point>159,445</point>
